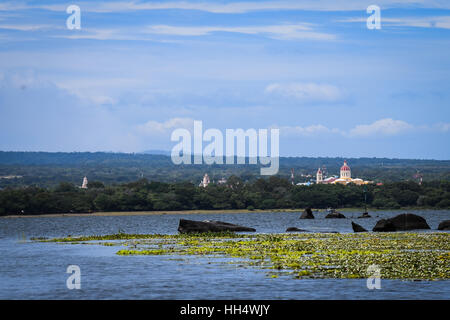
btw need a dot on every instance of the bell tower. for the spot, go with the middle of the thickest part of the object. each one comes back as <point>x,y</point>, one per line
<point>85,183</point>
<point>319,176</point>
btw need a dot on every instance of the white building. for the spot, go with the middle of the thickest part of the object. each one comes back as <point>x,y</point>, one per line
<point>319,176</point>
<point>205,182</point>
<point>85,183</point>
<point>344,178</point>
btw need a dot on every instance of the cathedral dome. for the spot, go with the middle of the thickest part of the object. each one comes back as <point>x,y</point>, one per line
<point>345,167</point>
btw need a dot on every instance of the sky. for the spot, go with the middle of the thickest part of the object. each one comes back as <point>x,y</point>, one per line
<point>137,70</point>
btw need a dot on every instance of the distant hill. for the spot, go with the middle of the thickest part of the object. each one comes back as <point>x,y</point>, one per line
<point>160,152</point>
<point>47,169</point>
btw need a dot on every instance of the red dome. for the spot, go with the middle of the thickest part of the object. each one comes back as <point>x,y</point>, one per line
<point>345,167</point>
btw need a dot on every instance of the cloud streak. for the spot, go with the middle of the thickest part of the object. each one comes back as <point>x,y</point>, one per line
<point>149,33</point>
<point>153,127</point>
<point>236,7</point>
<point>387,127</point>
<point>306,91</point>
<point>439,22</point>
<point>282,32</point>
<point>25,27</point>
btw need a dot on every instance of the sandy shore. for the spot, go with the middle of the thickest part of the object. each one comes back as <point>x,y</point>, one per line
<point>148,213</point>
<point>151,213</point>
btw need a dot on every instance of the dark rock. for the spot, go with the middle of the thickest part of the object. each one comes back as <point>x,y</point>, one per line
<point>444,225</point>
<point>335,215</point>
<point>295,229</point>
<point>402,222</point>
<point>307,214</point>
<point>357,228</point>
<point>384,225</point>
<point>187,226</point>
<point>409,221</point>
<point>365,215</point>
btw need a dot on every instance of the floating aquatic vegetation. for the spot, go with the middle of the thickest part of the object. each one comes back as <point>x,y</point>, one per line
<point>117,236</point>
<point>126,236</point>
<point>402,255</point>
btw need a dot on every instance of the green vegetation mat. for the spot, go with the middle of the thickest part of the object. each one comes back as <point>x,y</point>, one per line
<point>413,256</point>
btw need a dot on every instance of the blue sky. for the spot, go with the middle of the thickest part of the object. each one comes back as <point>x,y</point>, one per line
<point>137,70</point>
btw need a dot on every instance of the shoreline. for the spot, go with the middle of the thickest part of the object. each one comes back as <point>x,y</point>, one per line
<point>181,212</point>
<point>151,213</point>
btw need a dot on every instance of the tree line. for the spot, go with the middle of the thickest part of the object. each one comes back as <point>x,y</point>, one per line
<point>272,193</point>
<point>47,170</point>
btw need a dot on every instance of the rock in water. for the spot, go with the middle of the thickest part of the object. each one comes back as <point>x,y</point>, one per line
<point>365,215</point>
<point>335,215</point>
<point>307,214</point>
<point>187,226</point>
<point>444,225</point>
<point>357,228</point>
<point>409,221</point>
<point>402,222</point>
<point>295,229</point>
<point>384,225</point>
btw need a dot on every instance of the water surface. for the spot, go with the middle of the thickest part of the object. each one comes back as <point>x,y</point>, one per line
<point>33,270</point>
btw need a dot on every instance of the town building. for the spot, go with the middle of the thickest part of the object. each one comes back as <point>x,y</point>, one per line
<point>222,181</point>
<point>319,176</point>
<point>345,177</point>
<point>205,181</point>
<point>85,183</point>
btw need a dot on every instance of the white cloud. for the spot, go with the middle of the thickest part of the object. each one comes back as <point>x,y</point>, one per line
<point>280,32</point>
<point>11,6</point>
<point>232,7</point>
<point>311,130</point>
<point>382,127</point>
<point>25,27</point>
<point>443,127</point>
<point>306,91</point>
<point>284,32</point>
<point>97,90</point>
<point>152,127</point>
<point>440,22</point>
<point>386,126</point>
<point>38,115</point>
<point>98,34</point>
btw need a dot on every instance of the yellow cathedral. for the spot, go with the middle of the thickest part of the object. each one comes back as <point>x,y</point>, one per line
<point>345,177</point>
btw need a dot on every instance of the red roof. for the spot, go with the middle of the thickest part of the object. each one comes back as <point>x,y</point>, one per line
<point>345,167</point>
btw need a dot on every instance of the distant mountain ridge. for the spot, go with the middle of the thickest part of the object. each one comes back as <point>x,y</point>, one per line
<point>59,158</point>
<point>160,152</point>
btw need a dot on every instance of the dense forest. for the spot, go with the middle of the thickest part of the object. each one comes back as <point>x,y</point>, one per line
<point>274,192</point>
<point>47,170</point>
<point>41,182</point>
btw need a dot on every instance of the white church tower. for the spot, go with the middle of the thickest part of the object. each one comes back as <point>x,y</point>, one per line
<point>319,176</point>
<point>85,183</point>
<point>204,183</point>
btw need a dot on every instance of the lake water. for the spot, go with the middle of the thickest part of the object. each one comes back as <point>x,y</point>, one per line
<point>34,270</point>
